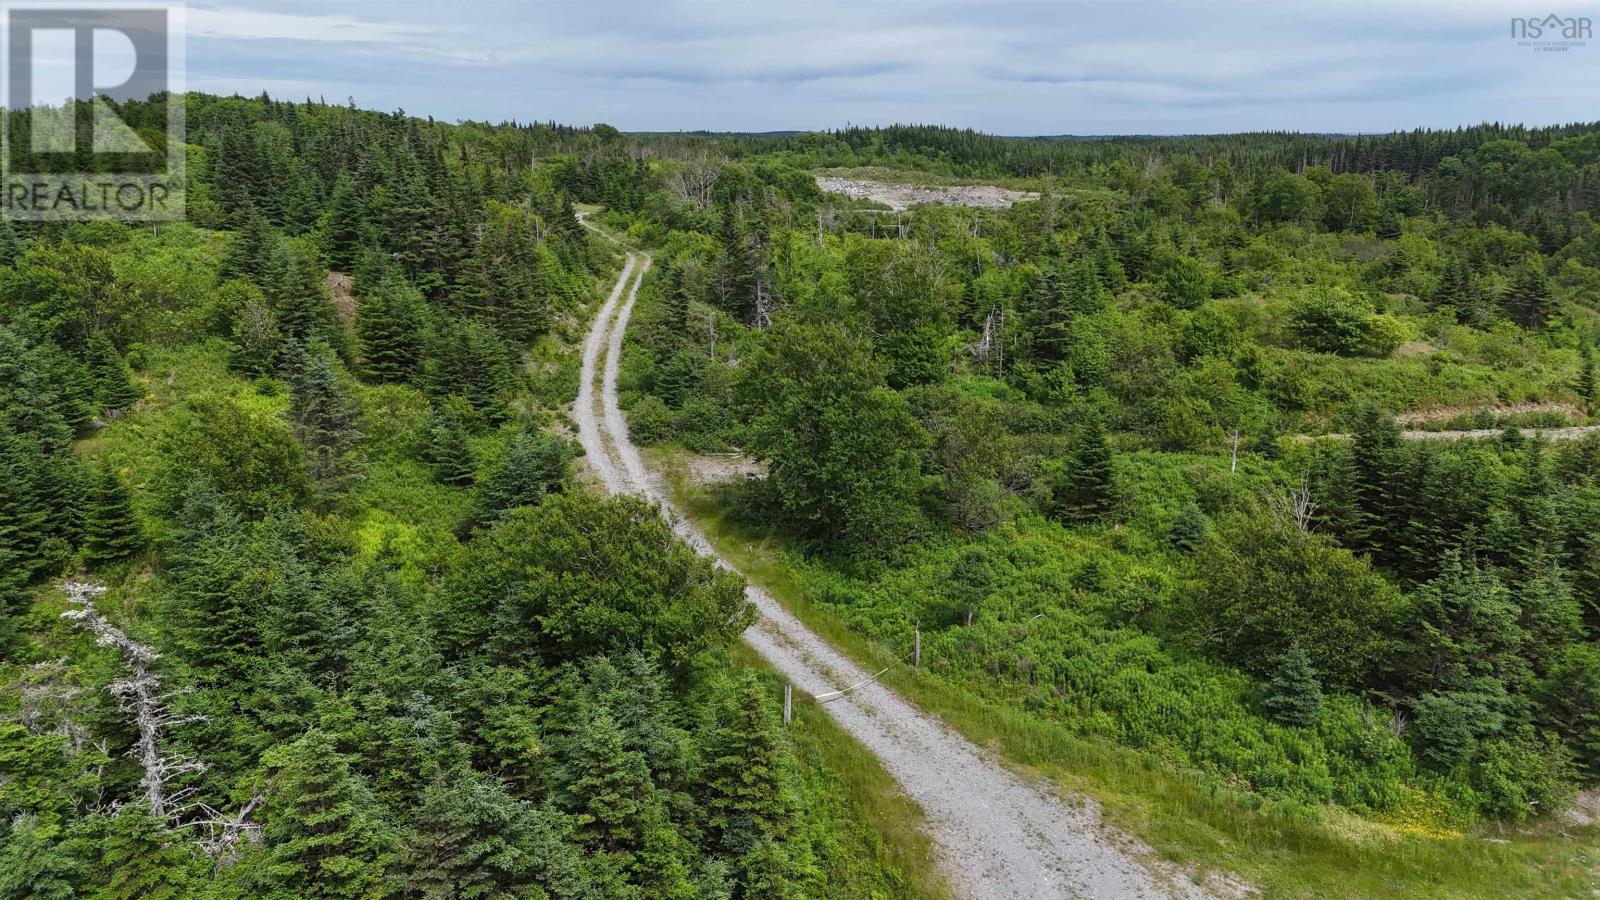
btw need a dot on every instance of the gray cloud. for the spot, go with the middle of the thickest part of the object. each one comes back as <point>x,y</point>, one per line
<point>1028,67</point>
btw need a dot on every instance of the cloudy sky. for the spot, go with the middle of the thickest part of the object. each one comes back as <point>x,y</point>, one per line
<point>1030,67</point>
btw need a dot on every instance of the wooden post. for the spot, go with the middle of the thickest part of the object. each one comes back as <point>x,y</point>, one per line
<point>916,650</point>
<point>788,701</point>
<point>1233,464</point>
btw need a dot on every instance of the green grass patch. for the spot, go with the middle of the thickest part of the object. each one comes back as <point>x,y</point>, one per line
<point>1286,850</point>
<point>878,845</point>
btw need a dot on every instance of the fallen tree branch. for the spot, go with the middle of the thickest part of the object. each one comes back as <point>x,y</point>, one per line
<point>141,698</point>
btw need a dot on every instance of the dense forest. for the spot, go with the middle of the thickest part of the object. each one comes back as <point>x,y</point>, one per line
<point>297,595</point>
<point>1143,456</point>
<point>301,593</point>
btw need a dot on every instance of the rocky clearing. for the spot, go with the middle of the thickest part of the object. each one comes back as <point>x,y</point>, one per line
<point>905,196</point>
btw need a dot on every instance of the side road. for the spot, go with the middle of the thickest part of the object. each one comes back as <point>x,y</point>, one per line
<point>995,834</point>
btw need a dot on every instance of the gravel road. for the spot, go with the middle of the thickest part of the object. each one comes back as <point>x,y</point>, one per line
<point>995,834</point>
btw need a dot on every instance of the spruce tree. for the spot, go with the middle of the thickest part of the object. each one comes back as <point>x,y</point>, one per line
<point>11,245</point>
<point>606,787</point>
<point>389,323</point>
<point>1587,377</point>
<point>114,387</point>
<point>745,797</point>
<point>343,232</point>
<point>535,466</point>
<point>299,297</point>
<point>142,859</point>
<point>1528,299</point>
<point>468,358</point>
<point>1085,488</point>
<point>449,450</point>
<point>1377,471</point>
<point>469,840</point>
<point>37,862</point>
<point>1190,528</point>
<point>768,870</point>
<point>111,531</point>
<point>319,822</point>
<point>24,519</point>
<point>250,250</point>
<point>1534,504</point>
<point>13,598</point>
<point>324,414</point>
<point>1294,695</point>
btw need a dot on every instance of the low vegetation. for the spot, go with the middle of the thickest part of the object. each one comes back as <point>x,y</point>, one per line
<point>1063,442</point>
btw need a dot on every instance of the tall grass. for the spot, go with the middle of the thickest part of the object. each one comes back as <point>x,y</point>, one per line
<point>1284,850</point>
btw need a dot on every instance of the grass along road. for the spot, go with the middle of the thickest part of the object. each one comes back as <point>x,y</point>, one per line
<point>994,834</point>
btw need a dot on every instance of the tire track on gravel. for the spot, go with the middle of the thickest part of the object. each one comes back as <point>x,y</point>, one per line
<point>995,834</point>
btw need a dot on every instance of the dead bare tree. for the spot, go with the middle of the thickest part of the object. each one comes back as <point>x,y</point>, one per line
<point>693,179</point>
<point>225,833</point>
<point>48,703</point>
<point>143,699</point>
<point>766,302</point>
<point>983,350</point>
<point>1295,504</point>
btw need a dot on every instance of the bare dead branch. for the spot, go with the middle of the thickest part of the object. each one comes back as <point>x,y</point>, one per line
<point>141,698</point>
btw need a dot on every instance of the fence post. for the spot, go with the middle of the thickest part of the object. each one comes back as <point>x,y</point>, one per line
<point>788,701</point>
<point>916,650</point>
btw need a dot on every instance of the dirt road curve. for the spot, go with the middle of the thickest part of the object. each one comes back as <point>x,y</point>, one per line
<point>996,835</point>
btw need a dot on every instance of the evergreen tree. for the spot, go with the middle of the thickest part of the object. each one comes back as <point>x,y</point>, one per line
<point>24,519</point>
<point>1466,626</point>
<point>390,322</point>
<point>13,597</point>
<point>111,531</point>
<point>322,834</point>
<point>141,859</point>
<point>1587,379</point>
<point>343,232</point>
<point>535,466</point>
<point>607,788</point>
<point>1294,695</point>
<point>1063,292</point>
<point>1085,488</point>
<point>743,777</point>
<point>768,870</point>
<point>299,297</point>
<point>448,450</point>
<point>1570,698</point>
<point>33,398</point>
<point>37,863</point>
<point>324,414</point>
<point>1375,485</point>
<point>469,359</point>
<point>114,387</point>
<point>250,250</point>
<point>11,246</point>
<point>1540,540</point>
<point>61,485</point>
<point>1190,528</point>
<point>1389,224</point>
<point>471,840</point>
<point>1528,299</point>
